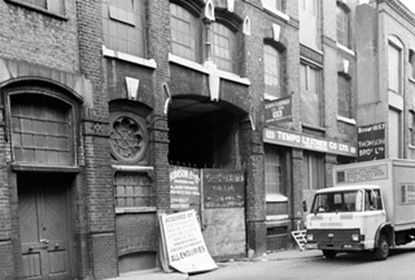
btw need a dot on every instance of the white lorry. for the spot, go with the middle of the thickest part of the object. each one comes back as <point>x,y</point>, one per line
<point>370,208</point>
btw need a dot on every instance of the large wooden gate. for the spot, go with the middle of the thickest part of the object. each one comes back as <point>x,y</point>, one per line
<point>45,226</point>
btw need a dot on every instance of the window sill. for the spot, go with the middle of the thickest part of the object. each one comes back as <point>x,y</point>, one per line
<point>150,63</point>
<point>276,197</point>
<point>277,219</point>
<point>200,68</point>
<point>278,13</point>
<point>412,80</point>
<point>45,168</point>
<point>316,128</point>
<point>346,49</point>
<point>135,210</point>
<point>134,168</point>
<point>346,120</point>
<point>36,9</point>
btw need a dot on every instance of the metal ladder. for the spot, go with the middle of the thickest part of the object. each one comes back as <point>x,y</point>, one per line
<point>299,236</point>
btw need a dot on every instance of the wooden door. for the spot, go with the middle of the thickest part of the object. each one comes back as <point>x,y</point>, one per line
<point>44,226</point>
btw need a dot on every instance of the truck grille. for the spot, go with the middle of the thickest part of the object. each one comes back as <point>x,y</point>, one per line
<point>332,235</point>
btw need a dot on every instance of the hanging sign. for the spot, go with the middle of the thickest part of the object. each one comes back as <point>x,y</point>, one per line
<point>278,110</point>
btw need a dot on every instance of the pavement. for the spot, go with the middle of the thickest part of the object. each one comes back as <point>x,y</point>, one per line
<point>158,274</point>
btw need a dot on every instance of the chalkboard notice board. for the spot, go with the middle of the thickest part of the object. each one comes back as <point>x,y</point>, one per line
<point>223,188</point>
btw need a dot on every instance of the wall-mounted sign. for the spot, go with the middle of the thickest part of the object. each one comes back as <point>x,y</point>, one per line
<point>184,188</point>
<point>278,110</point>
<point>371,142</point>
<point>223,188</point>
<point>308,142</point>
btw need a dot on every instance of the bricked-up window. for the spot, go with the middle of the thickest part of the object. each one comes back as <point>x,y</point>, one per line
<point>41,129</point>
<point>311,95</point>
<point>344,96</point>
<point>273,71</point>
<point>133,189</point>
<point>224,47</point>
<point>411,127</point>
<point>314,170</point>
<point>124,26</point>
<point>395,65</point>
<point>343,25</point>
<point>184,33</point>
<point>52,6</point>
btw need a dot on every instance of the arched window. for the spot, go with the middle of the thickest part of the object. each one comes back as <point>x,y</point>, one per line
<point>41,130</point>
<point>273,72</point>
<point>224,47</point>
<point>185,36</point>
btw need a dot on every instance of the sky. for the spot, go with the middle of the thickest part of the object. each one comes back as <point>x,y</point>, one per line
<point>410,4</point>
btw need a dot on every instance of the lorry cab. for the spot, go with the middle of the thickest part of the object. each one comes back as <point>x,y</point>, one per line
<point>345,219</point>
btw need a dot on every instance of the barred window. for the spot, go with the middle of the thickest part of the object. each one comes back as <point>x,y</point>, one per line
<point>124,26</point>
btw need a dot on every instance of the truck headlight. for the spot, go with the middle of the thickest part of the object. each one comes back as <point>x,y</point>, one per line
<point>310,237</point>
<point>355,237</point>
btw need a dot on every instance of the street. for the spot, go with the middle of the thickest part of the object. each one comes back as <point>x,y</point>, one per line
<point>312,265</point>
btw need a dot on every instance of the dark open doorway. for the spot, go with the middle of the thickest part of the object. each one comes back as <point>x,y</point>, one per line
<point>203,133</point>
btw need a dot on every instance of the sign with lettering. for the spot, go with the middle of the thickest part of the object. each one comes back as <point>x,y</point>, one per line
<point>407,193</point>
<point>278,110</point>
<point>223,188</point>
<point>184,188</point>
<point>183,243</point>
<point>308,142</point>
<point>371,142</point>
<point>362,174</point>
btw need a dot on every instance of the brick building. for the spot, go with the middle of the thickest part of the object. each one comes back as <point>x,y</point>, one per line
<point>109,106</point>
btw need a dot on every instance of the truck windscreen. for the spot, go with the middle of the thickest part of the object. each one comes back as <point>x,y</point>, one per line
<point>342,201</point>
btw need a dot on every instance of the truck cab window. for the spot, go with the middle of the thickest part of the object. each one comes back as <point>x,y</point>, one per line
<point>373,200</point>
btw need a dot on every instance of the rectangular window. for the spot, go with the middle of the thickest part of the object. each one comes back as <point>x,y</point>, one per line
<point>53,6</point>
<point>344,96</point>
<point>411,127</point>
<point>124,26</point>
<point>314,170</point>
<point>412,63</point>
<point>273,5</point>
<point>223,47</point>
<point>343,27</point>
<point>310,23</point>
<point>311,92</point>
<point>394,68</point>
<point>132,190</point>
<point>395,137</point>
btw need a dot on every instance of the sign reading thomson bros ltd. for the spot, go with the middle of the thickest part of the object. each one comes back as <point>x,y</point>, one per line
<point>298,140</point>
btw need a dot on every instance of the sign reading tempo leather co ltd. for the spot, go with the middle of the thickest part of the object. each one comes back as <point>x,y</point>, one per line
<point>278,110</point>
<point>298,140</point>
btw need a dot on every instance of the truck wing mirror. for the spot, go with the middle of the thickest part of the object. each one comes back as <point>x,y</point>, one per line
<point>305,206</point>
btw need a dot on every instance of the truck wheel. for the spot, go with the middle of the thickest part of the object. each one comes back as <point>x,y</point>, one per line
<point>329,254</point>
<point>382,251</point>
